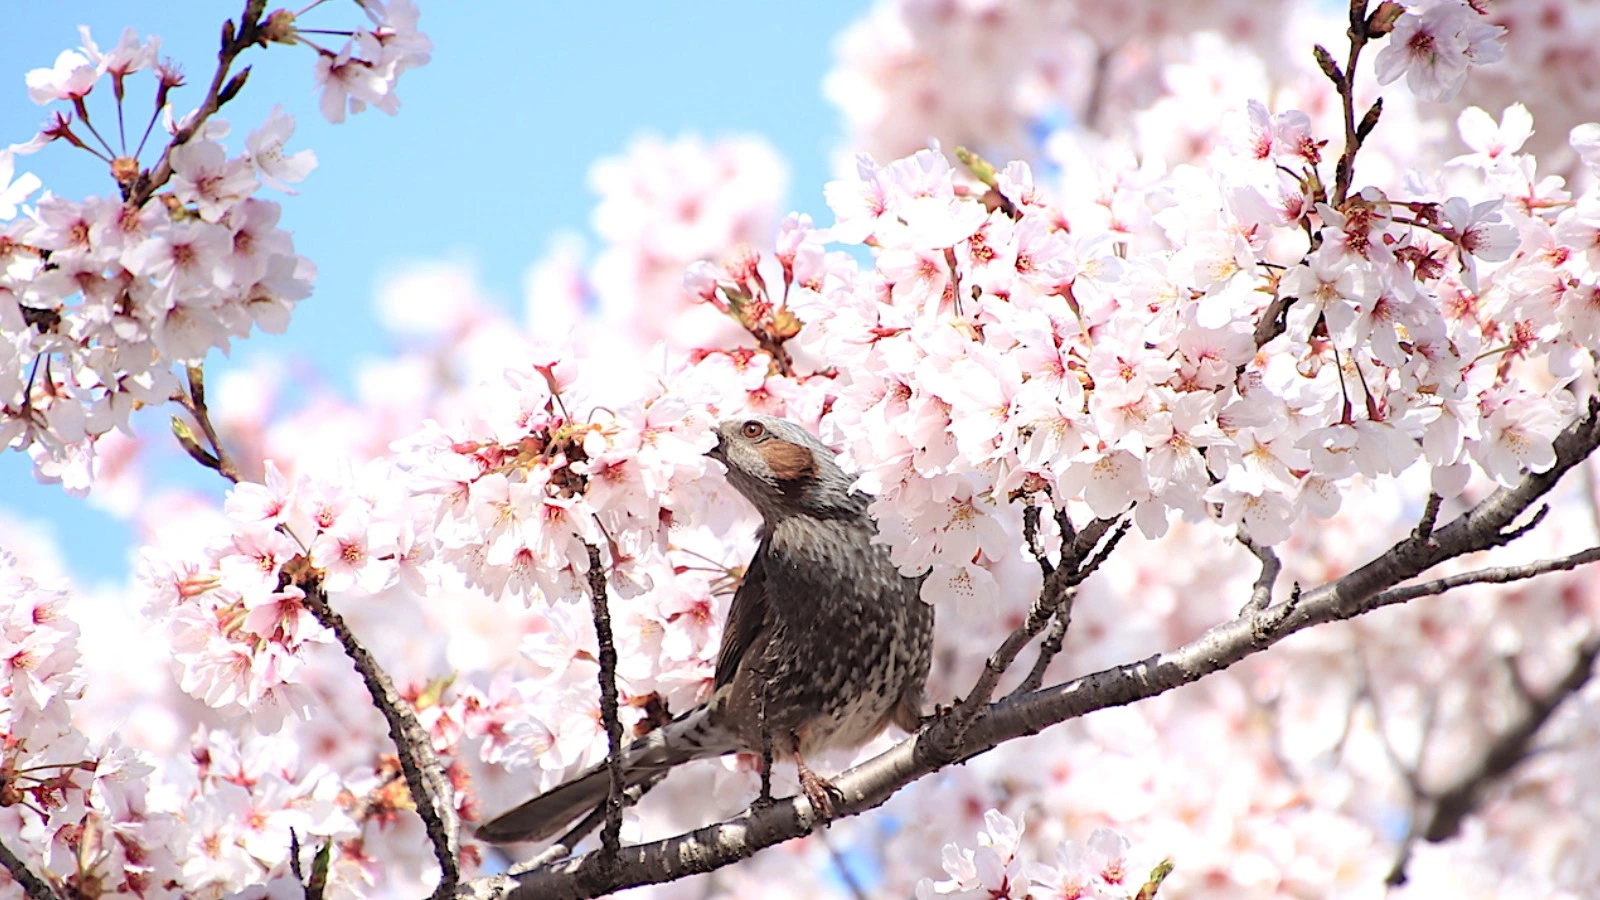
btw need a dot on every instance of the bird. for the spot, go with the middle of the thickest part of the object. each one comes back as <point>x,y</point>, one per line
<point>826,643</point>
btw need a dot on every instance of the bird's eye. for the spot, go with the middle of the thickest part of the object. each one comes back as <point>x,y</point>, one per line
<point>752,430</point>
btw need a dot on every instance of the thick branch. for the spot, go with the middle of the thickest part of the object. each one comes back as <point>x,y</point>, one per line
<point>431,790</point>
<point>35,887</point>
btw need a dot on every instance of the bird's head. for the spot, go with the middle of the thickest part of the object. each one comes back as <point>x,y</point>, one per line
<point>783,469</point>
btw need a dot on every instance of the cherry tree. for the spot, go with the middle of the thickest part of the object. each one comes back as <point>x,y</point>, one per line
<point>1228,368</point>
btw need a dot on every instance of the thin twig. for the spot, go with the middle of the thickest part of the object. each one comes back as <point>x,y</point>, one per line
<point>1514,678</point>
<point>1049,647</point>
<point>1069,534</point>
<point>611,835</point>
<point>1094,104</point>
<point>1273,320</point>
<point>1054,593</point>
<point>236,39</point>
<point>194,401</point>
<point>35,887</point>
<point>1409,771</point>
<point>1495,575</point>
<point>1030,534</point>
<point>430,786</point>
<point>1271,566</point>
<point>1430,518</point>
<point>1076,549</point>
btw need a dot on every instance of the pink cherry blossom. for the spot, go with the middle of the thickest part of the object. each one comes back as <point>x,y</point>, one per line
<point>1433,47</point>
<point>71,78</point>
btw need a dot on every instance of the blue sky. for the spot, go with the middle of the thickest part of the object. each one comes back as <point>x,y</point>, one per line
<point>486,161</point>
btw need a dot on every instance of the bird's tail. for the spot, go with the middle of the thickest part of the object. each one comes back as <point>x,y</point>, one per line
<point>691,736</point>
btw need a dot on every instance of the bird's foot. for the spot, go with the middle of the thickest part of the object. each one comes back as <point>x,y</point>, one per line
<point>821,793</point>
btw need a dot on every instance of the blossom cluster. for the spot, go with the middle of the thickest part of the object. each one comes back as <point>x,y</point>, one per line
<point>1000,349</point>
<point>98,300</point>
<point>524,492</point>
<point>1105,867</point>
<point>101,297</point>
<point>665,205</point>
<point>62,793</point>
<point>1011,80</point>
<point>101,815</point>
<point>234,608</point>
<point>1550,54</point>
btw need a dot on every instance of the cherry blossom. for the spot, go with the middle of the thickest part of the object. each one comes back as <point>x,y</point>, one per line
<point>1433,47</point>
<point>71,78</point>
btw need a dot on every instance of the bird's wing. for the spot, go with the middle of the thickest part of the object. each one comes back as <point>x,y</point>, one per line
<point>747,619</point>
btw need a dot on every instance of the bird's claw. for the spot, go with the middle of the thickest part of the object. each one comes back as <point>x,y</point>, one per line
<point>821,793</point>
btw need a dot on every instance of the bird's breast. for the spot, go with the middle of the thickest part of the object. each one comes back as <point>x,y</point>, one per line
<point>849,633</point>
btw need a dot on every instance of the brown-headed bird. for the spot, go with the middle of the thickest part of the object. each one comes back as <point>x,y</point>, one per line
<point>824,631</point>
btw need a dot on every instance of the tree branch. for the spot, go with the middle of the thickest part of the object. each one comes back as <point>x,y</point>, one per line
<point>1345,83</point>
<point>35,887</point>
<point>431,790</point>
<point>194,401</point>
<point>1446,809</point>
<point>1057,590</point>
<point>1049,647</point>
<point>1261,594</point>
<point>1030,535</point>
<point>1453,804</point>
<point>1362,29</point>
<point>611,835</point>
<point>1495,575</point>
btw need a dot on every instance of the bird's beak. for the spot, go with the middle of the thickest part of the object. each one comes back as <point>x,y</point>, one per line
<point>716,451</point>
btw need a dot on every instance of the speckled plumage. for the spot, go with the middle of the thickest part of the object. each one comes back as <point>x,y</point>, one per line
<point>823,625</point>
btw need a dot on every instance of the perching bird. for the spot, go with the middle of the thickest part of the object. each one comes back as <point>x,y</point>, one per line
<point>823,625</point>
